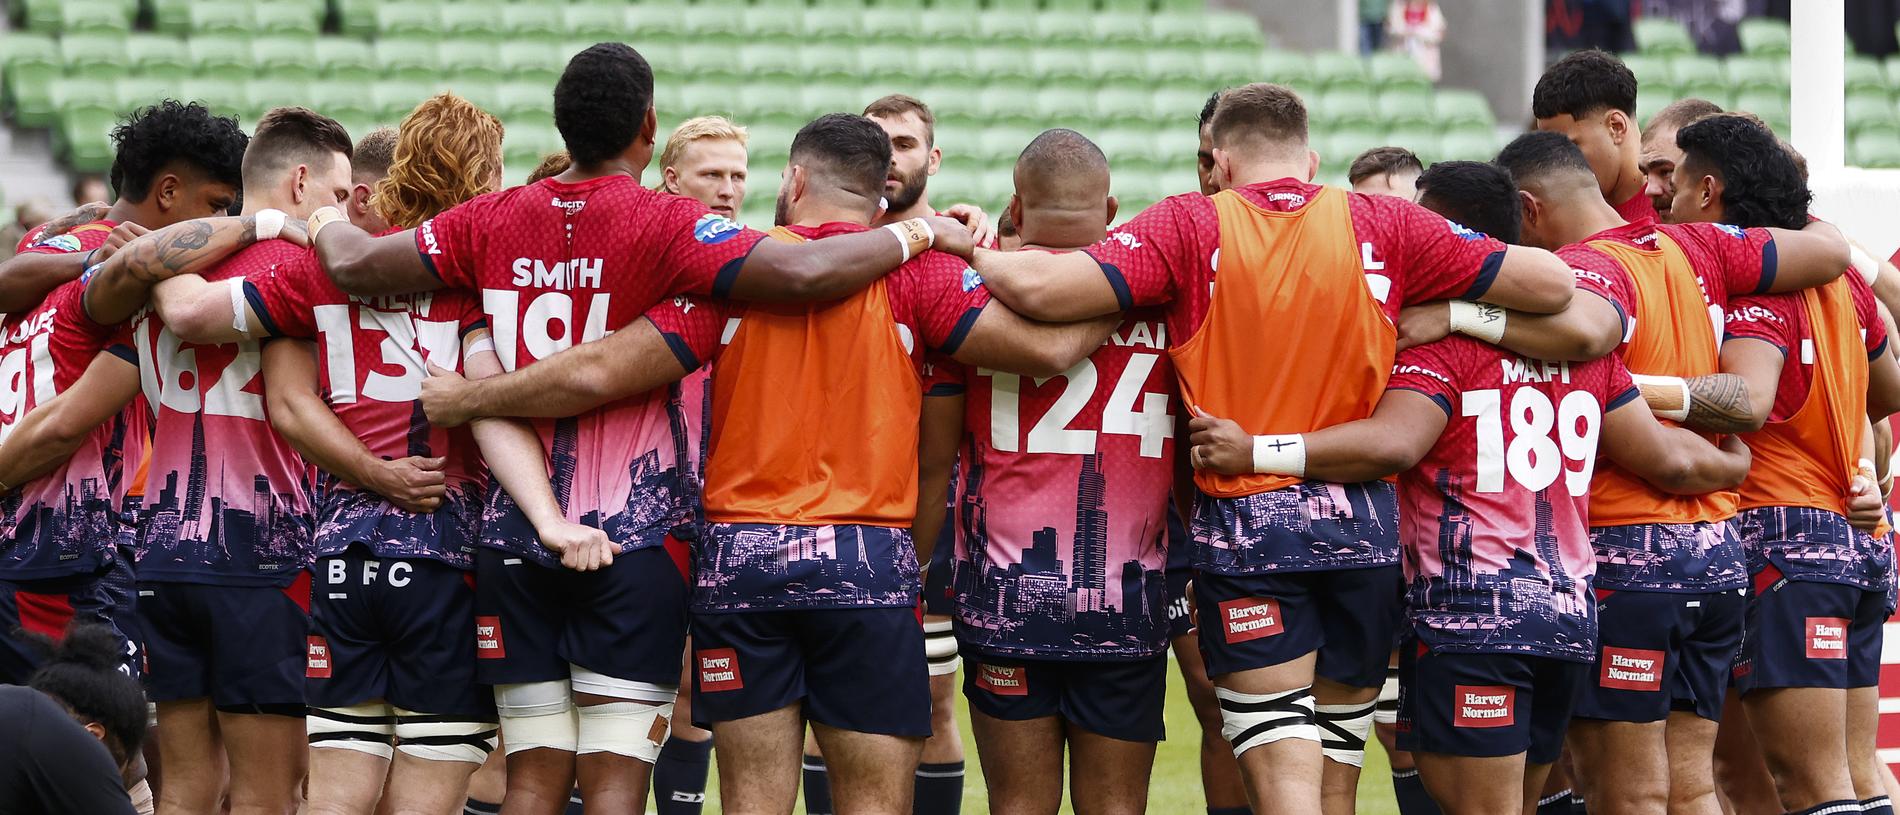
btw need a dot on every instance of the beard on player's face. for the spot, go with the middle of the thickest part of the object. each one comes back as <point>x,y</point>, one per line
<point>782,210</point>
<point>902,190</point>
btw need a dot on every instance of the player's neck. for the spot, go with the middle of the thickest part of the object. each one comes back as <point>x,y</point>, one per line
<point>123,211</point>
<point>576,174</point>
<point>1591,216</point>
<point>920,209</point>
<point>1264,171</point>
<point>814,215</point>
<point>1057,233</point>
<point>1629,184</point>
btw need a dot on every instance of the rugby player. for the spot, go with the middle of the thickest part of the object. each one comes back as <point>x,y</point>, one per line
<point>369,164</point>
<point>1660,154</point>
<point>705,159</point>
<point>1590,97</point>
<point>1386,171</point>
<point>585,685</point>
<point>1304,575</point>
<point>1204,154</point>
<point>1083,667</point>
<point>1819,600</point>
<point>390,673</point>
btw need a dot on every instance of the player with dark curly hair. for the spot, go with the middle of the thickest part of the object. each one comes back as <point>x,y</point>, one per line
<point>82,673</point>
<point>1735,171</point>
<point>1590,97</point>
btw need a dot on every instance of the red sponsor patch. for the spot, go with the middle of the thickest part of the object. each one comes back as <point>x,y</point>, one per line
<point>1250,618</point>
<point>488,644</point>
<point>44,614</point>
<point>1003,680</point>
<point>1484,705</point>
<point>718,669</point>
<point>316,658</point>
<point>1826,637</point>
<point>1630,669</point>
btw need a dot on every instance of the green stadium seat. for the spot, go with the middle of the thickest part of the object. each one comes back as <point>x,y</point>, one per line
<point>472,21</point>
<point>1113,66</point>
<point>40,16</point>
<point>84,138</point>
<point>834,5</point>
<point>471,59</point>
<point>1139,7</point>
<point>222,96</point>
<point>105,17</point>
<point>1119,29</point>
<point>820,27</point>
<point>964,6</point>
<point>709,63</point>
<point>889,63</point>
<point>73,92</point>
<point>826,64</point>
<point>1131,151</point>
<point>1286,68</point>
<point>1073,108</point>
<point>1756,72</point>
<point>480,90</point>
<point>1877,150</point>
<point>1174,65</point>
<point>133,92</point>
<point>288,18</point>
<point>780,23</point>
<point>1459,107</point>
<point>219,56</point>
<point>403,59</point>
<point>1000,144</point>
<point>1407,108</point>
<point>261,95</point>
<point>1648,68</point>
<point>1771,106</point>
<point>1063,30</point>
<point>1182,30</point>
<point>1867,110</point>
<point>356,18</point>
<point>408,18</point>
<point>1863,73</point>
<point>530,21</point>
<point>285,57</point>
<point>595,21</point>
<point>28,92</point>
<point>1225,68</point>
<point>769,61</point>
<point>1010,103</point>
<point>889,25</point>
<point>522,101</point>
<point>1765,36</point>
<point>1394,71</point>
<point>1332,69</point>
<point>1423,141</point>
<point>157,55</point>
<point>394,99</point>
<point>1010,27</point>
<point>1348,109</point>
<point>1345,144</point>
<point>1892,68</point>
<point>1178,105</point>
<point>912,6</point>
<point>769,100</point>
<point>524,147</point>
<point>221,17</point>
<point>1652,97</point>
<point>1122,102</point>
<point>95,55</point>
<point>1661,35</point>
<point>1462,145</point>
<point>1061,64</point>
<point>1180,6</point>
<point>339,101</point>
<point>831,97</point>
<point>1232,29</point>
<point>346,60</point>
<point>947,26</point>
<point>649,23</point>
<point>1000,62</point>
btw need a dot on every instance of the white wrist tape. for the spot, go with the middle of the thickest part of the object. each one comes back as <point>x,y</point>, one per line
<point>1280,455</point>
<point>269,223</point>
<point>1481,320</point>
<point>903,242</point>
<point>478,346</point>
<point>1867,467</point>
<point>1865,264</point>
<point>1677,382</point>
<point>239,322</point>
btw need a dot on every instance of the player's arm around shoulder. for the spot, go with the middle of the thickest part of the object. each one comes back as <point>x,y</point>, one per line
<point>1811,256</point>
<point>200,311</point>
<point>121,285</point>
<point>1044,286</point>
<point>1003,340</point>
<point>1531,280</point>
<point>1673,459</point>
<point>832,267</point>
<point>362,264</point>
<point>51,432</point>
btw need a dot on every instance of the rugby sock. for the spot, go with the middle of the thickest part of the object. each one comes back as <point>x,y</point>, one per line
<point>574,804</point>
<point>1576,804</point>
<point>1877,806</point>
<point>1849,807</point>
<point>1556,803</point>
<point>817,786</point>
<point>1411,795</point>
<point>939,789</point>
<point>474,807</point>
<point>1229,811</point>
<point>679,777</point>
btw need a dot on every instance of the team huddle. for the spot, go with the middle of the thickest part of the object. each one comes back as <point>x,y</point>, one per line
<point>397,468</point>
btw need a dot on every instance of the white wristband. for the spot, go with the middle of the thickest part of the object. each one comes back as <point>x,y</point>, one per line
<point>1867,466</point>
<point>1481,320</point>
<point>1280,455</point>
<point>1680,414</point>
<point>1865,264</point>
<point>903,241</point>
<point>239,323</point>
<point>269,223</point>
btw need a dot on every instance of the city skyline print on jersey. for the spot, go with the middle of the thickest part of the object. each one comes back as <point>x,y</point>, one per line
<point>656,492</point>
<point>762,567</point>
<point>1312,525</point>
<point>228,518</point>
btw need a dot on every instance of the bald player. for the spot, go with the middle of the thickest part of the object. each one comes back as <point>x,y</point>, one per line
<point>1661,155</point>
<point>369,164</point>
<point>1590,97</point>
<point>1083,507</point>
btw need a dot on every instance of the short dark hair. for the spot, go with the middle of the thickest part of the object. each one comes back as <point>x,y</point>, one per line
<point>1476,194</point>
<point>1383,161</point>
<point>897,104</point>
<point>82,673</point>
<point>292,135</point>
<point>601,101</point>
<point>1583,83</point>
<point>173,131</point>
<point>1761,185</point>
<point>852,151</point>
<point>374,152</point>
<point>1207,110</point>
<point>1535,156</point>
<point>1681,112</point>
<point>1271,115</point>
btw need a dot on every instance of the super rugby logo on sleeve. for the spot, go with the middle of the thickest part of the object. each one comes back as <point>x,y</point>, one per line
<point>488,643</point>
<point>971,279</point>
<point>1250,618</point>
<point>316,658</point>
<point>1463,231</point>
<point>1484,705</point>
<point>1631,669</point>
<point>718,669</point>
<point>1003,680</point>
<point>1826,637</point>
<point>64,243</point>
<point>714,229</point>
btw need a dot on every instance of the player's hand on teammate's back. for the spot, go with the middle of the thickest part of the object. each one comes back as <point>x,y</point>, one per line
<point>295,231</point>
<point>1863,502</point>
<point>1219,445</point>
<point>978,221</point>
<point>78,217</point>
<point>416,484</point>
<point>121,235</point>
<point>1421,324</point>
<point>443,397</point>
<point>582,548</point>
<point>952,236</point>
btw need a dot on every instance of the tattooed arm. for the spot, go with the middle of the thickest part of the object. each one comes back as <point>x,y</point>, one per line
<point>1718,403</point>
<point>119,286</point>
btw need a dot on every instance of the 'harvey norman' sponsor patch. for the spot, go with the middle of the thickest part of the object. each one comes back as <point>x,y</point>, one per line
<point>1250,618</point>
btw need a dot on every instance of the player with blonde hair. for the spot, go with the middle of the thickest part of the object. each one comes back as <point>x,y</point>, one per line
<point>705,159</point>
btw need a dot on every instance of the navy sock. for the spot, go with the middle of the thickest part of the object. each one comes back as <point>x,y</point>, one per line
<point>817,786</point>
<point>1410,792</point>
<point>1556,803</point>
<point>1577,805</point>
<point>1877,806</point>
<point>574,804</point>
<point>1848,807</point>
<point>679,777</point>
<point>474,807</point>
<point>939,789</point>
<point>1229,811</point>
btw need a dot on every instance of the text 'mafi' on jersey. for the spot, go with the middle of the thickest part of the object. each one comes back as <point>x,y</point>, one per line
<point>1494,521</point>
<point>559,264</point>
<point>1298,338</point>
<point>228,500</point>
<point>372,355</point>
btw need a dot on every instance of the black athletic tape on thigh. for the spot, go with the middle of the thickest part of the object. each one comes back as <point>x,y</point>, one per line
<point>326,713</point>
<point>1290,703</point>
<point>353,735</point>
<point>1334,737</point>
<point>473,740</point>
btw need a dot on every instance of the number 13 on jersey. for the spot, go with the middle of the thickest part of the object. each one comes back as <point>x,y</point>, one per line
<point>1151,422</point>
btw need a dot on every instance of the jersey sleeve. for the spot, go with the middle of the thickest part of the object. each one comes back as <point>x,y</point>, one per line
<point>1432,258</point>
<point>1771,318</point>
<point>281,299</point>
<point>83,238</point>
<point>692,327</point>
<point>1619,388</point>
<point>939,296</point>
<point>702,249</point>
<point>1157,252</point>
<point>943,376</point>
<point>1600,275</point>
<point>1429,370</point>
<point>1746,257</point>
<point>1873,329</point>
<point>69,305</point>
<point>448,243</point>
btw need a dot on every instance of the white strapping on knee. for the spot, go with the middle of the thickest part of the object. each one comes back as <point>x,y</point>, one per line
<point>1343,730</point>
<point>630,729</point>
<point>1386,708</point>
<point>940,648</point>
<point>537,714</point>
<point>1249,720</point>
<point>599,684</point>
<point>366,728</point>
<point>445,738</point>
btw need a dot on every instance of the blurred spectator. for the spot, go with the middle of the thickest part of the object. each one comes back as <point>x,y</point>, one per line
<point>1417,27</point>
<point>1570,25</point>
<point>1371,25</point>
<point>89,188</point>
<point>26,216</point>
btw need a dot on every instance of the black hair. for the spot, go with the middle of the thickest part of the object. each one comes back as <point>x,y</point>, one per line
<point>601,101</point>
<point>82,672</point>
<point>1207,110</point>
<point>1761,184</point>
<point>1476,194</point>
<point>172,131</point>
<point>853,150</point>
<point>1583,83</point>
<point>1535,155</point>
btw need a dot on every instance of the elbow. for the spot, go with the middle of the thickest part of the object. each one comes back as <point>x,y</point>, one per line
<point>1675,473</point>
<point>1397,458</point>
<point>65,432</point>
<point>1049,362</point>
<point>191,322</point>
